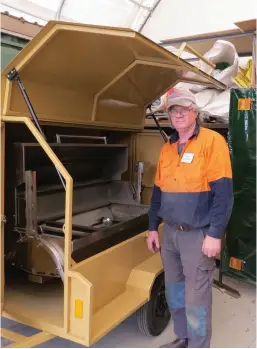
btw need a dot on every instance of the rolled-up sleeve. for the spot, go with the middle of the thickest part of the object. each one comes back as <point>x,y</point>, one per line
<point>219,174</point>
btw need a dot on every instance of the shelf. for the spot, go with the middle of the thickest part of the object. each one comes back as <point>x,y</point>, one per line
<point>59,187</point>
<point>212,125</point>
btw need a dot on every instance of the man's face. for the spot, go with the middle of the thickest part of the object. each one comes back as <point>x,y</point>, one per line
<point>182,117</point>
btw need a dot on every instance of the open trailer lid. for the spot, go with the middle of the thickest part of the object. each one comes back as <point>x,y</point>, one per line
<point>91,75</point>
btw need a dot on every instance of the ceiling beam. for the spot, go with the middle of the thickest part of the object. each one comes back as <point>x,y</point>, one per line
<point>149,15</point>
<point>205,37</point>
<point>140,5</point>
<point>59,10</point>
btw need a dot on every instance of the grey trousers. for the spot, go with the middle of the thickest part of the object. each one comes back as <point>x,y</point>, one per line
<point>188,281</point>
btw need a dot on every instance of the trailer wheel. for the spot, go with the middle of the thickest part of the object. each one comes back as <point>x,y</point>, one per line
<point>154,316</point>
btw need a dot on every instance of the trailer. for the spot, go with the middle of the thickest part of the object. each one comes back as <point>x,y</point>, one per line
<point>74,260</point>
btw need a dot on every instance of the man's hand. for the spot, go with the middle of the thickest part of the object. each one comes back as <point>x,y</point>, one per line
<point>153,241</point>
<point>211,246</point>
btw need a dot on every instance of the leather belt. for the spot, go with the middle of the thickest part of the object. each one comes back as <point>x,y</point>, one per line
<point>183,227</point>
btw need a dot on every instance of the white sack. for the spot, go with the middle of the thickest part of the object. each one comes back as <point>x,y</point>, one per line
<point>214,103</point>
<point>222,51</point>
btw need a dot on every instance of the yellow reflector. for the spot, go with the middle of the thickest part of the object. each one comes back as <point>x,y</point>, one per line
<point>236,263</point>
<point>244,103</point>
<point>78,308</point>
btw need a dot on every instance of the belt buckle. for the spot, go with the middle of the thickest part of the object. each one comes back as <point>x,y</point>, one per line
<point>181,228</point>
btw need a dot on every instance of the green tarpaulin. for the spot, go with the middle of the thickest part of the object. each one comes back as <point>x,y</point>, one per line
<point>10,47</point>
<point>239,256</point>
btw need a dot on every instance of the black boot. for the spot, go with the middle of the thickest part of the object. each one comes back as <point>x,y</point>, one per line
<point>177,343</point>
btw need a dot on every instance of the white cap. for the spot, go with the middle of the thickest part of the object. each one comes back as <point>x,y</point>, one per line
<point>179,96</point>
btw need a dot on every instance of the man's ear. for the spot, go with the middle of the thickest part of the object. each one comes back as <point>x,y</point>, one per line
<point>171,123</point>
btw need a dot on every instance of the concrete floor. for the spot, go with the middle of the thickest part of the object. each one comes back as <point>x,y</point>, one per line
<point>234,325</point>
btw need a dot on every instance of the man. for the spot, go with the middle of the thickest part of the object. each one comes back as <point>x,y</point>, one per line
<point>193,195</point>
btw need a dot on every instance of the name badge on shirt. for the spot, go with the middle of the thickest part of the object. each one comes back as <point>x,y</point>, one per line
<point>187,157</point>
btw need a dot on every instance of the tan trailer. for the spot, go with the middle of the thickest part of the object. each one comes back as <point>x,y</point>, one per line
<point>74,262</point>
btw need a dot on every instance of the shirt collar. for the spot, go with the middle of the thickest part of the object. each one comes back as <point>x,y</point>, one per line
<point>175,136</point>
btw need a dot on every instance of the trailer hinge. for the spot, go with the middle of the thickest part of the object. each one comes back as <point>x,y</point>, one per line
<point>12,75</point>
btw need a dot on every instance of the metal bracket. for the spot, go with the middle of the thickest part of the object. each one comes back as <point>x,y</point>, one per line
<point>226,289</point>
<point>12,75</point>
<point>219,283</point>
<point>58,137</point>
<point>139,178</point>
<point>31,203</point>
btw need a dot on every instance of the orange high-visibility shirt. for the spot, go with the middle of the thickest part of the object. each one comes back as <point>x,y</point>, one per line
<point>194,188</point>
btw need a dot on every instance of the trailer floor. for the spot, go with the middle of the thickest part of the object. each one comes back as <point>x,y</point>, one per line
<point>234,325</point>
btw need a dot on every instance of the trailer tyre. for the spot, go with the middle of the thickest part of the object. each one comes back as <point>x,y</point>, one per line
<point>154,316</point>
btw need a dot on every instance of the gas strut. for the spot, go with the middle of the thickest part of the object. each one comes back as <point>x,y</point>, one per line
<point>13,75</point>
<point>163,134</point>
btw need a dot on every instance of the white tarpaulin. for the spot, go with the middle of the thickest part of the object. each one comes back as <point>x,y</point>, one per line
<point>158,19</point>
<point>117,13</point>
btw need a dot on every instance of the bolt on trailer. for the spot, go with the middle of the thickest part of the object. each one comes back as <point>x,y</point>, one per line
<point>74,261</point>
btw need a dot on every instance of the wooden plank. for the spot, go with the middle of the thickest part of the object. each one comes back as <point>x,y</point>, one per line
<point>165,123</point>
<point>19,27</point>
<point>204,42</point>
<point>30,342</point>
<point>246,26</point>
<point>200,36</point>
<point>12,336</point>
